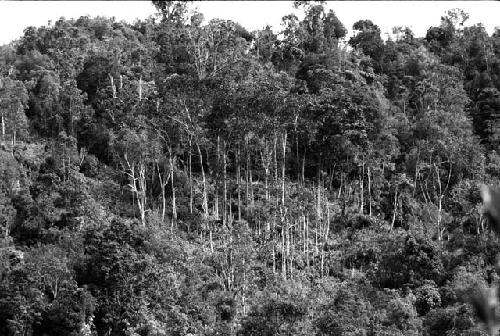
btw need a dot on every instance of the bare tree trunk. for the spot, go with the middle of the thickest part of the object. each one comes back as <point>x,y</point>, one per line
<point>163,203</point>
<point>266,163</point>
<point>204,180</point>
<point>230,205</point>
<point>174,205</point>
<point>291,236</point>
<point>3,129</point>
<point>163,183</point>
<point>266,184</point>
<point>362,190</point>
<point>395,205</point>
<point>247,174</point>
<point>283,257</point>
<point>211,240</point>
<point>316,224</point>
<point>190,175</point>
<point>369,192</point>
<point>297,156</point>
<point>140,88</point>
<point>275,140</point>
<point>318,195</point>
<point>341,185</point>
<point>284,221</point>
<point>283,170</point>
<point>307,240</point>
<point>244,289</point>
<point>274,258</point>
<point>238,180</point>
<point>217,182</point>
<point>224,193</point>
<point>252,205</point>
<point>113,87</point>
<point>13,140</point>
<point>138,185</point>
<point>416,174</point>
<point>439,219</point>
<point>440,203</point>
<point>302,216</point>
<point>143,189</point>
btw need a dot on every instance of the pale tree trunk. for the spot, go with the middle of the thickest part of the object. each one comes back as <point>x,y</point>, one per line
<point>231,217</point>
<point>205,198</point>
<point>190,174</point>
<point>174,205</point>
<point>276,179</point>
<point>341,185</point>
<point>224,192</point>
<point>395,205</point>
<point>163,183</point>
<point>112,83</point>
<point>13,140</point>
<point>291,252</point>
<point>439,219</point>
<point>252,198</point>
<point>297,156</point>
<point>244,288</point>
<point>440,203</point>
<point>307,240</point>
<point>247,173</point>
<point>142,198</point>
<point>369,191</point>
<point>303,218</point>
<point>137,176</point>
<point>316,224</point>
<point>3,129</point>
<point>217,180</point>
<point>283,256</point>
<point>440,197</point>
<point>140,88</point>
<point>284,221</point>
<point>7,230</point>
<point>211,240</point>
<point>318,195</point>
<point>416,173</point>
<point>275,140</point>
<point>283,171</point>
<point>362,190</point>
<point>238,180</point>
<point>266,164</point>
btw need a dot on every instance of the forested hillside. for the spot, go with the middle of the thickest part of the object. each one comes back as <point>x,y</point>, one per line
<point>182,177</point>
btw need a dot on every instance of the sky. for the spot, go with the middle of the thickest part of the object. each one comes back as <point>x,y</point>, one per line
<point>15,16</point>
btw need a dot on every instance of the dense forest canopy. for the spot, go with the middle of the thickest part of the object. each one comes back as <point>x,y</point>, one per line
<point>181,177</point>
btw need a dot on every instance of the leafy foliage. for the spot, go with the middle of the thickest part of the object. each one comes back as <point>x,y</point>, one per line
<point>181,177</point>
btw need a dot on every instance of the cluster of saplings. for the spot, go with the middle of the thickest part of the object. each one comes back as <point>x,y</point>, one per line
<point>181,177</point>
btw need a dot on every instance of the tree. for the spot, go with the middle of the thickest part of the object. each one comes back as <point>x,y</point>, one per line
<point>369,41</point>
<point>215,47</point>
<point>133,149</point>
<point>172,11</point>
<point>13,101</point>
